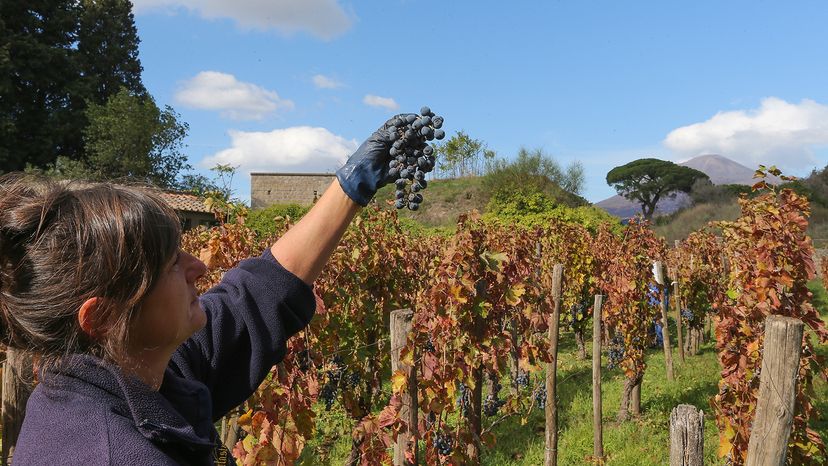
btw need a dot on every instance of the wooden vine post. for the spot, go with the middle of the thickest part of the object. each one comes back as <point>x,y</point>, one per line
<point>772,423</point>
<point>18,382</point>
<point>401,321</point>
<point>665,332</point>
<point>475,447</point>
<point>597,423</point>
<point>551,454</point>
<point>677,306</point>
<point>686,436</point>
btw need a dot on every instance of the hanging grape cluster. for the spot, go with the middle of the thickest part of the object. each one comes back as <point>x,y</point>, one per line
<point>616,351</point>
<point>443,443</point>
<point>540,397</point>
<point>522,379</point>
<point>687,315</point>
<point>335,376</point>
<point>579,312</point>
<point>464,399</point>
<point>413,155</point>
<point>493,403</point>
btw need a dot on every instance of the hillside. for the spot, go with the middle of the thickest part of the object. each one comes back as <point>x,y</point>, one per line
<point>443,201</point>
<point>446,199</point>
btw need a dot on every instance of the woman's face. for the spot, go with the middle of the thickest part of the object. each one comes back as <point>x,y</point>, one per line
<point>171,313</point>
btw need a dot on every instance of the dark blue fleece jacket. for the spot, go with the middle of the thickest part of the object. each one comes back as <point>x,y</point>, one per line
<point>89,413</point>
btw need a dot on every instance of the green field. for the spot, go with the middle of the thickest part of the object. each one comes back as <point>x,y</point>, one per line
<point>642,441</point>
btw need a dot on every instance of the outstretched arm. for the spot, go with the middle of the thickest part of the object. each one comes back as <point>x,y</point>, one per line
<point>306,247</point>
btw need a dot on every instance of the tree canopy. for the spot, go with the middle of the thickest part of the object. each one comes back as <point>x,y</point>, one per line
<point>56,58</point>
<point>130,137</point>
<point>647,181</point>
<point>462,155</point>
<point>533,182</point>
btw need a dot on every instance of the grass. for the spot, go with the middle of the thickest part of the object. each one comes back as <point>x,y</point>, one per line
<point>444,201</point>
<point>641,441</point>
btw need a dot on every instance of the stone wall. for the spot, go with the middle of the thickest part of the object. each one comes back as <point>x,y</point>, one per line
<point>287,188</point>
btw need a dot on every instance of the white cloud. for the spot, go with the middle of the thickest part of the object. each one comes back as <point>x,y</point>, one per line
<point>778,133</point>
<point>324,82</point>
<point>377,101</point>
<point>211,90</point>
<point>325,19</point>
<point>297,149</point>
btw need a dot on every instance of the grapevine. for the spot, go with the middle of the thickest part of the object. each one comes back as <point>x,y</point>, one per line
<point>771,261</point>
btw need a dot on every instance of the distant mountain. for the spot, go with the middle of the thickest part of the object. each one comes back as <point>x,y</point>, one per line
<point>721,170</point>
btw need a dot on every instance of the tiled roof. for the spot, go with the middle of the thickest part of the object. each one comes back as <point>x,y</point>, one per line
<point>185,202</point>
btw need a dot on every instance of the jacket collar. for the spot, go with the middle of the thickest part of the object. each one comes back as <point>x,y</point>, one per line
<point>153,412</point>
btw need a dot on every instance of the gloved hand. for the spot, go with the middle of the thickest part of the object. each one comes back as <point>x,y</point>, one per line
<point>367,169</point>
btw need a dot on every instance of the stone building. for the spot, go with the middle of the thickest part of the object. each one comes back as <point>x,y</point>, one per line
<point>287,188</point>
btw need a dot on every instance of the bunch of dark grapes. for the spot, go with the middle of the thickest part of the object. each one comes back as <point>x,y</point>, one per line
<point>615,353</point>
<point>413,155</point>
<point>443,443</point>
<point>522,379</point>
<point>578,313</point>
<point>492,404</point>
<point>353,379</point>
<point>687,315</point>
<point>328,394</point>
<point>540,397</point>
<point>337,369</point>
<point>334,376</point>
<point>464,400</point>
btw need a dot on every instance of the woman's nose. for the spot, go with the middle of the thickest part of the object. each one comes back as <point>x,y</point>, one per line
<point>196,269</point>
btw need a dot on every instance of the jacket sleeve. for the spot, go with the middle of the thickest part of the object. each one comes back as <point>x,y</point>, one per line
<point>251,313</point>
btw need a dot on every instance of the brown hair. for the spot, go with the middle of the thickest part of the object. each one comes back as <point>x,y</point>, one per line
<point>62,243</point>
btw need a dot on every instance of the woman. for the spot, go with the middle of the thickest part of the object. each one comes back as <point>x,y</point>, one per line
<point>135,368</point>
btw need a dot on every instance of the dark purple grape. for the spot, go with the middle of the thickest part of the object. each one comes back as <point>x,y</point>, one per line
<point>426,120</point>
<point>410,118</point>
<point>417,124</point>
<point>400,203</point>
<point>439,134</point>
<point>400,183</point>
<point>437,122</point>
<point>399,194</point>
<point>425,111</point>
<point>411,160</point>
<point>416,198</point>
<point>443,443</point>
<point>404,173</point>
<point>413,206</point>
<point>415,188</point>
<point>428,150</point>
<point>420,184</point>
<point>393,151</point>
<point>426,131</point>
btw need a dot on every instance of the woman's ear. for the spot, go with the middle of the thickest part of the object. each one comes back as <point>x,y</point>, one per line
<point>90,318</point>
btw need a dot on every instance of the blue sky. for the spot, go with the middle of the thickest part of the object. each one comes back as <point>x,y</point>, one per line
<point>295,85</point>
